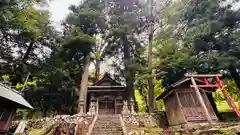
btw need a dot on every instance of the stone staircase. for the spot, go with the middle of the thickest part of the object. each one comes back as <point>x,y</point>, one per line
<point>107,125</point>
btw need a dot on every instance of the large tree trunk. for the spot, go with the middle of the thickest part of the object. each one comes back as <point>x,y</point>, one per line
<point>97,69</point>
<point>19,72</point>
<point>235,76</point>
<point>27,53</point>
<point>128,69</point>
<point>84,85</point>
<point>151,100</point>
<point>150,79</point>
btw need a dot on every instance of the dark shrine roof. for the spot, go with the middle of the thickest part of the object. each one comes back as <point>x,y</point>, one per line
<point>106,84</point>
<point>170,88</point>
<point>11,95</point>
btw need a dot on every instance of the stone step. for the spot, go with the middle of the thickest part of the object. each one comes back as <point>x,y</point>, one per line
<point>104,131</point>
<point>107,125</point>
<point>99,121</point>
<point>116,133</point>
<point>107,134</point>
<point>98,129</point>
<point>110,124</point>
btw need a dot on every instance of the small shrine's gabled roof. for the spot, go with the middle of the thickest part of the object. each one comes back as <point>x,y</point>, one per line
<point>106,78</point>
<point>106,83</point>
<point>170,88</point>
<point>10,94</point>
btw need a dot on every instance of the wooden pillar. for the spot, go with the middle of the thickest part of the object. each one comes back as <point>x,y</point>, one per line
<point>180,105</point>
<point>115,106</point>
<point>81,106</point>
<point>200,98</point>
<point>97,105</point>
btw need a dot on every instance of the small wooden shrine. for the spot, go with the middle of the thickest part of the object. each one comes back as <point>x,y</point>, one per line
<point>187,102</point>
<point>10,101</point>
<point>107,95</point>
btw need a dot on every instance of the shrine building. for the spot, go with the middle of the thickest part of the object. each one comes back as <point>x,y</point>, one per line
<point>10,101</point>
<point>183,104</point>
<point>107,94</point>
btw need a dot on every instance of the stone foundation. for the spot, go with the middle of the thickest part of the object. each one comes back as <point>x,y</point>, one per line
<point>67,124</point>
<point>143,121</point>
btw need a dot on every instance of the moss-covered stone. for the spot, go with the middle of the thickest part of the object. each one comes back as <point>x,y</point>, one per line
<point>146,131</point>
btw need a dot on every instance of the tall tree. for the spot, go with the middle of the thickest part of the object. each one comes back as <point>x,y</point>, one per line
<point>25,32</point>
<point>214,34</point>
<point>125,22</point>
<point>86,18</point>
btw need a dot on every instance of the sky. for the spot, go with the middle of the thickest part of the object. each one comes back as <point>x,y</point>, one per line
<point>59,10</point>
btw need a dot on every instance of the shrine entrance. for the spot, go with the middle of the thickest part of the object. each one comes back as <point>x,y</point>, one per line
<point>106,105</point>
<point>107,94</point>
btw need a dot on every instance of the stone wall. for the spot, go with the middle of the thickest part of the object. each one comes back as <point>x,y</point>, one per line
<point>66,122</point>
<point>143,120</point>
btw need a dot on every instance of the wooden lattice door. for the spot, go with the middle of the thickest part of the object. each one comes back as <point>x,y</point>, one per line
<point>191,106</point>
<point>106,106</point>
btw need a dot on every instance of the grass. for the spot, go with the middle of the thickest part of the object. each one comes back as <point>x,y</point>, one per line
<point>40,132</point>
<point>146,131</point>
<point>226,111</point>
<point>35,132</point>
<point>224,107</point>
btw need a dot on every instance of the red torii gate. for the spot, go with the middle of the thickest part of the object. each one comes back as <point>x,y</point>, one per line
<point>218,83</point>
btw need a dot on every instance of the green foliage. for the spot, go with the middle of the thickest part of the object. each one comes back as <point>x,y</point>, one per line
<point>226,132</point>
<point>19,86</point>
<point>177,133</point>
<point>205,44</point>
<point>200,36</point>
<point>32,83</point>
<point>158,89</point>
<point>5,77</point>
<point>140,102</point>
<point>224,107</point>
<point>142,95</point>
<point>147,131</point>
<point>231,88</point>
<point>82,43</point>
<point>97,54</point>
<point>90,83</point>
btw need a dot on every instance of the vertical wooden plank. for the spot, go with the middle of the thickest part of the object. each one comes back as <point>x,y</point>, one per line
<point>180,106</point>
<point>97,105</point>
<point>115,106</point>
<point>1,112</point>
<point>200,98</point>
<point>168,113</point>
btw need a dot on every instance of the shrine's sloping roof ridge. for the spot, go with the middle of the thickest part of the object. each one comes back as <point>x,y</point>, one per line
<point>10,94</point>
<point>107,77</point>
<point>106,84</point>
<point>170,88</point>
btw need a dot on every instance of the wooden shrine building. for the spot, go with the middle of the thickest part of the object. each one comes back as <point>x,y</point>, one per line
<point>183,105</point>
<point>107,94</point>
<point>10,101</point>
